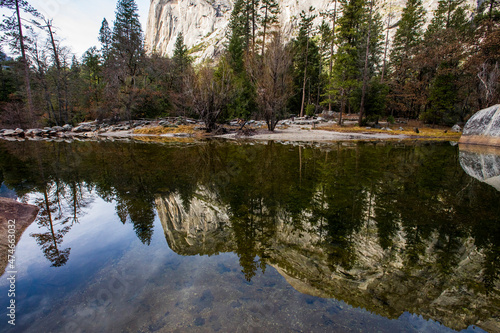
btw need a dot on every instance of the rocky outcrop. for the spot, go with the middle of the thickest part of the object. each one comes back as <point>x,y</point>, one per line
<point>21,216</point>
<point>383,281</point>
<point>483,128</point>
<point>204,23</point>
<point>482,163</point>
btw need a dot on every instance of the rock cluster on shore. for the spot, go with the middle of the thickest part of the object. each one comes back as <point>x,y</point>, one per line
<point>92,129</point>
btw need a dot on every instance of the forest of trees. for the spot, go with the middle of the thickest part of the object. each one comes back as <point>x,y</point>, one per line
<point>440,72</point>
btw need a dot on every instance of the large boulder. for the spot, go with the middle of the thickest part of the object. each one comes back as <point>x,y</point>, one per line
<point>483,128</point>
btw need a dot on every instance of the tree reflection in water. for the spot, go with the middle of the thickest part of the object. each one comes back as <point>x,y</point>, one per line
<point>356,210</point>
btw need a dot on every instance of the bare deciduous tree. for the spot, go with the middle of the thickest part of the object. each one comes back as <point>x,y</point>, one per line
<point>212,93</point>
<point>274,84</point>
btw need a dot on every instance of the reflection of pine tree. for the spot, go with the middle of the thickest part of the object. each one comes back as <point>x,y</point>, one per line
<point>57,226</point>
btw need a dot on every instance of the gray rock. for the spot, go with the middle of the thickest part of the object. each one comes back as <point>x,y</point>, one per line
<point>34,132</point>
<point>82,128</point>
<point>67,127</point>
<point>58,129</point>
<point>8,132</point>
<point>19,132</point>
<point>456,129</point>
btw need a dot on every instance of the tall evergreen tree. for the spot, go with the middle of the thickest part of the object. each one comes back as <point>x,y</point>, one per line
<point>13,28</point>
<point>307,60</point>
<point>408,37</point>
<point>409,34</point>
<point>127,52</point>
<point>106,39</point>
<point>328,35</point>
<point>128,40</point>
<point>237,41</point>
<point>181,55</point>
<point>347,71</point>
<point>440,60</point>
<point>269,16</point>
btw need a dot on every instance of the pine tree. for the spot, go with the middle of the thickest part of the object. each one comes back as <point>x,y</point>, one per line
<point>488,12</point>
<point>328,35</point>
<point>442,54</point>
<point>347,71</point>
<point>238,42</point>
<point>181,55</point>
<point>253,19</point>
<point>13,29</point>
<point>126,53</point>
<point>409,34</point>
<point>406,41</point>
<point>106,40</point>
<point>270,10</point>
<point>128,45</point>
<point>307,58</point>
<point>450,14</point>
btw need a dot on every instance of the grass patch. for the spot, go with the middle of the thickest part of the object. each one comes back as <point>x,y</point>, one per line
<point>158,130</point>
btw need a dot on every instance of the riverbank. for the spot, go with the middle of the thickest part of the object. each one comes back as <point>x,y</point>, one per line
<point>295,130</point>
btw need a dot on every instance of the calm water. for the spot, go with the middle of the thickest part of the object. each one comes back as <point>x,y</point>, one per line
<point>213,236</point>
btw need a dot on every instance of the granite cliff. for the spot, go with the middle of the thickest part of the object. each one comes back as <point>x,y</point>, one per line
<point>204,23</point>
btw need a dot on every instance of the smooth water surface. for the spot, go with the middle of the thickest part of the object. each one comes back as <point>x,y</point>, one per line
<point>238,237</point>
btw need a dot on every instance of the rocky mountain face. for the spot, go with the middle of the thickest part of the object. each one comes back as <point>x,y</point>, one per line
<point>204,23</point>
<point>387,281</point>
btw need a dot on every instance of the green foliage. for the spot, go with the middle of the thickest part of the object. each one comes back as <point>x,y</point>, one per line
<point>443,97</point>
<point>409,33</point>
<point>106,40</point>
<point>347,69</point>
<point>9,79</point>
<point>488,12</point>
<point>307,65</point>
<point>181,56</point>
<point>128,45</point>
<point>391,120</point>
<point>450,14</point>
<point>310,108</point>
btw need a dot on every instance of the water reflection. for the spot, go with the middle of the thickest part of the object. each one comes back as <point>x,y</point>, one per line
<point>390,228</point>
<point>482,163</point>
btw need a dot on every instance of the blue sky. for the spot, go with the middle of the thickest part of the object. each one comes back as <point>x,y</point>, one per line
<point>78,21</point>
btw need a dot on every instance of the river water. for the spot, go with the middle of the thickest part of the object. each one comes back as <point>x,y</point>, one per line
<point>247,237</point>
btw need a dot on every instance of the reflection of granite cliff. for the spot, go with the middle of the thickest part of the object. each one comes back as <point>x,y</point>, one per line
<point>200,228</point>
<point>380,280</point>
<point>482,164</point>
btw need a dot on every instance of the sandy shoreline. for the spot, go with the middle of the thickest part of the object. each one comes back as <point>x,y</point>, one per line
<point>297,133</point>
<point>288,133</point>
